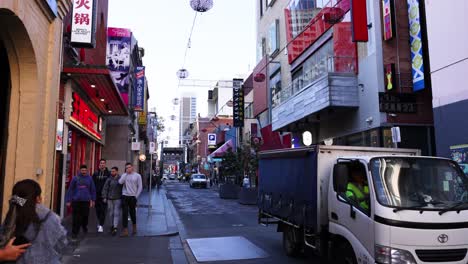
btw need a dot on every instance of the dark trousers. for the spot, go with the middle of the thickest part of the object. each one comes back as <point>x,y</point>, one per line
<point>128,206</point>
<point>80,214</point>
<point>101,209</point>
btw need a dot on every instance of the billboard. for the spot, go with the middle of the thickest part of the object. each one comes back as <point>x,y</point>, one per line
<point>118,58</point>
<point>416,45</point>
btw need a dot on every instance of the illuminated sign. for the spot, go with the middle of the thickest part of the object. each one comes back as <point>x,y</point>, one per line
<point>83,27</point>
<point>83,116</point>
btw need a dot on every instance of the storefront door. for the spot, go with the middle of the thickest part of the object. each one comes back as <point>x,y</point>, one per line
<point>4,107</point>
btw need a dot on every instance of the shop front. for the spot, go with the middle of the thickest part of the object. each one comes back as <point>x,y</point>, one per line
<point>89,97</point>
<point>85,138</point>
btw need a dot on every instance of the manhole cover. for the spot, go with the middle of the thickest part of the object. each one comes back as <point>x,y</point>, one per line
<point>234,248</point>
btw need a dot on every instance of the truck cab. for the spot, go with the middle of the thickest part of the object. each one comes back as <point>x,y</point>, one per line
<point>397,209</point>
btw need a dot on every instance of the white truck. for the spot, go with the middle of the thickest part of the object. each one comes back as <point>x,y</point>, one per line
<point>411,209</point>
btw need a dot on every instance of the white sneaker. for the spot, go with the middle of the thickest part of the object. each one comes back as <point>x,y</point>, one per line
<point>100,229</point>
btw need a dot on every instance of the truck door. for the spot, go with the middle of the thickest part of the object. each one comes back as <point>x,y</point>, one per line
<point>350,208</point>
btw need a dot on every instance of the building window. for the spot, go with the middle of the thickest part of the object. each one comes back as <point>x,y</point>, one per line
<point>273,40</point>
<point>275,88</point>
<point>301,13</point>
<point>249,111</point>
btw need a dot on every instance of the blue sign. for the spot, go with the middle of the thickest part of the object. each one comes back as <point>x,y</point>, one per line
<point>53,6</point>
<point>139,88</point>
<point>416,45</point>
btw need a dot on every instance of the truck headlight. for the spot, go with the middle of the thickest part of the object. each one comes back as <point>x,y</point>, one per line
<point>388,255</point>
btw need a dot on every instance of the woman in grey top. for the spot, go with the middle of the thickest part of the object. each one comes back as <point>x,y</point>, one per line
<point>112,194</point>
<point>31,222</point>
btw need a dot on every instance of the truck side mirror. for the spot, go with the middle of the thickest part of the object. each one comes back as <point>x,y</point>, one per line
<point>340,177</point>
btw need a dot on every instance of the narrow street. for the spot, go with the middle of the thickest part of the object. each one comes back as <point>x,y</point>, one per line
<point>202,214</point>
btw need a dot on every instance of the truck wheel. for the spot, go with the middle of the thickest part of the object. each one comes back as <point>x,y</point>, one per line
<point>292,244</point>
<point>344,254</point>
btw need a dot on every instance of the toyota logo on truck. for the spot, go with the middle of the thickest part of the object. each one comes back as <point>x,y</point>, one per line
<point>442,238</point>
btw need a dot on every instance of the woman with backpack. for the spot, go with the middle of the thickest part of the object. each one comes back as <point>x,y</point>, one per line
<point>31,222</point>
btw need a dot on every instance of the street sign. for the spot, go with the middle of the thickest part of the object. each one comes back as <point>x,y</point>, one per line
<point>152,148</point>
<point>135,146</point>
<point>211,139</point>
<point>396,136</point>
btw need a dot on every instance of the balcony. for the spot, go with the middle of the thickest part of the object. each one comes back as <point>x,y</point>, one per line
<point>329,83</point>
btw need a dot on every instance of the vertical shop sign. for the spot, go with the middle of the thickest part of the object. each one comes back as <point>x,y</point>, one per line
<point>139,92</point>
<point>359,20</point>
<point>59,137</point>
<point>83,27</point>
<point>238,103</point>
<point>118,58</point>
<point>459,154</point>
<point>416,45</point>
<point>389,76</point>
<point>387,19</point>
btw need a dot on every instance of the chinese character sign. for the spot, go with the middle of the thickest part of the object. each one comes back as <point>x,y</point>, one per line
<point>238,103</point>
<point>139,92</point>
<point>83,23</point>
<point>83,116</point>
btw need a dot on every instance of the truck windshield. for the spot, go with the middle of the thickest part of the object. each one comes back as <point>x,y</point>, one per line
<point>419,183</point>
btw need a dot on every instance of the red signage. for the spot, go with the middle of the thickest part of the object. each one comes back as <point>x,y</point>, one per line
<point>359,20</point>
<point>83,116</point>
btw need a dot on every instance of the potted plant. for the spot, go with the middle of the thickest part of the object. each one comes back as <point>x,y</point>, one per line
<point>229,170</point>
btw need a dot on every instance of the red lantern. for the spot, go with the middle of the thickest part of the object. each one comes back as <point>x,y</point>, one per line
<point>259,77</point>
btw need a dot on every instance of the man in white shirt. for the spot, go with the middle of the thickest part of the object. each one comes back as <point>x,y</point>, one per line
<point>132,187</point>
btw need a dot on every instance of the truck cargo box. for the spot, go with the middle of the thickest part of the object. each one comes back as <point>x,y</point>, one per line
<point>293,183</point>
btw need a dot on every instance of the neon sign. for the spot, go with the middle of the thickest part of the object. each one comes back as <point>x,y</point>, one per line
<point>83,116</point>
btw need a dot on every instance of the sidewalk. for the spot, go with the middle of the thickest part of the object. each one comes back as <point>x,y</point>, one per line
<point>157,240</point>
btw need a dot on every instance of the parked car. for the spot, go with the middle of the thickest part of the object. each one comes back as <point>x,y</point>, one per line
<point>172,176</point>
<point>198,180</point>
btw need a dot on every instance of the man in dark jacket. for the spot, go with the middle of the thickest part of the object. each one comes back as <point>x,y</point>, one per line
<point>112,194</point>
<point>100,178</point>
<point>81,195</point>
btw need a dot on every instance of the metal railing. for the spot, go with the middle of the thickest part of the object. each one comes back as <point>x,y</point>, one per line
<point>320,67</point>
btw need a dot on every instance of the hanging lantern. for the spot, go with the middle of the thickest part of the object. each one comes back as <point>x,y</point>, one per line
<point>259,77</point>
<point>173,117</point>
<point>201,5</point>
<point>175,101</point>
<point>182,74</point>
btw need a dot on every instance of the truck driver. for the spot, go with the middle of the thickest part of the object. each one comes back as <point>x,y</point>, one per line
<point>357,188</point>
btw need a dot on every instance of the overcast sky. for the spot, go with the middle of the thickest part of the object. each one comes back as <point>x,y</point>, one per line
<point>223,46</point>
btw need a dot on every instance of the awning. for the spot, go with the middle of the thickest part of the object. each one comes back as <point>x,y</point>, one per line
<point>221,150</point>
<point>99,86</point>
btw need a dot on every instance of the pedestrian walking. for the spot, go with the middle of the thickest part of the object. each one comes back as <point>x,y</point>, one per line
<point>100,177</point>
<point>81,196</point>
<point>31,222</point>
<point>132,187</point>
<point>112,195</point>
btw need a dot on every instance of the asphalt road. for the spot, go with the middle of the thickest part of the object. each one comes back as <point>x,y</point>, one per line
<point>203,214</point>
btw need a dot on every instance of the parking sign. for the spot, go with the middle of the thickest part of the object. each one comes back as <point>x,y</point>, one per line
<point>211,139</point>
